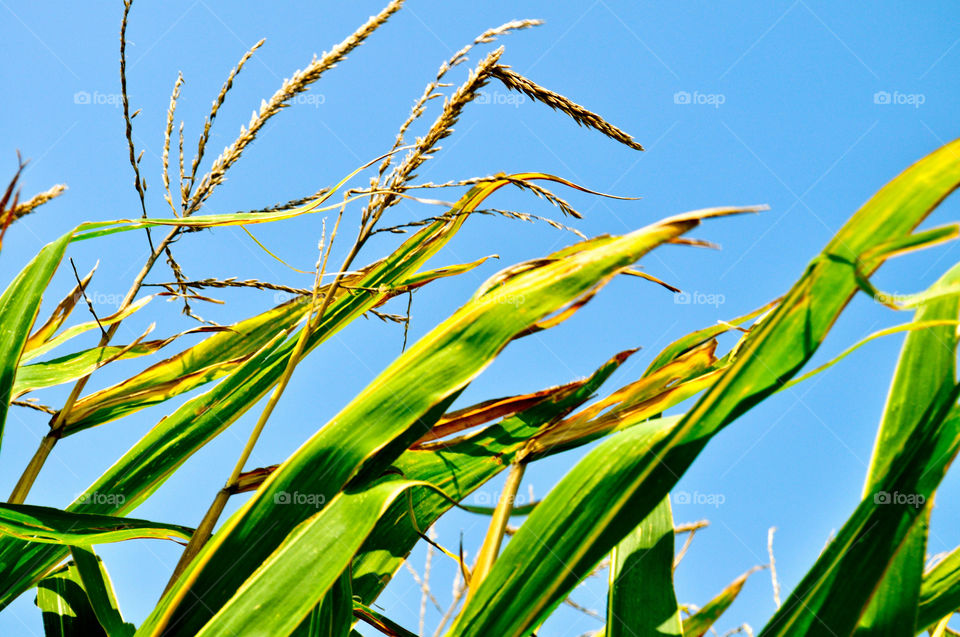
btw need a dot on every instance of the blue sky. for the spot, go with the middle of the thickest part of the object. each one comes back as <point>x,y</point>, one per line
<point>807,106</point>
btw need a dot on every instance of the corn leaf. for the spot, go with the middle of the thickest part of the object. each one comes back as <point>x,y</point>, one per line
<point>96,583</point>
<point>81,328</point>
<point>333,617</point>
<point>516,596</point>
<point>65,607</point>
<point>436,367</point>
<point>46,524</point>
<point>216,356</point>
<point>19,305</point>
<point>940,593</point>
<point>212,358</point>
<point>923,380</point>
<point>641,600</point>
<point>700,622</point>
<point>288,585</point>
<point>60,314</point>
<point>79,364</point>
<point>457,468</point>
<point>564,538</point>
<point>835,592</point>
<point>169,444</point>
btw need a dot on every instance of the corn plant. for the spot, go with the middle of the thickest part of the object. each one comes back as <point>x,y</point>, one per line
<point>402,453</point>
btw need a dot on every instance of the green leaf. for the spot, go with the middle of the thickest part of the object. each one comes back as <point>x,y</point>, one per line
<point>60,314</point>
<point>940,593</point>
<point>641,600</point>
<point>65,606</point>
<point>457,468</point>
<point>923,381</point>
<point>377,425</point>
<point>542,562</point>
<point>697,338</point>
<point>515,598</point>
<point>302,570</point>
<point>49,525</point>
<point>174,439</point>
<point>212,358</point>
<point>79,364</point>
<point>96,583</point>
<point>333,617</point>
<point>218,355</point>
<point>835,592</point>
<point>700,622</point>
<point>75,330</point>
<point>19,305</point>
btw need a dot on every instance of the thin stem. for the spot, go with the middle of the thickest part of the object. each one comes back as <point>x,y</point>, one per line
<point>200,536</point>
<point>498,526</point>
<point>773,566</point>
<point>128,119</point>
<point>205,531</point>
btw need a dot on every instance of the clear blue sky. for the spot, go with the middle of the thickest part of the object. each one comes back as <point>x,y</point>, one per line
<point>786,107</point>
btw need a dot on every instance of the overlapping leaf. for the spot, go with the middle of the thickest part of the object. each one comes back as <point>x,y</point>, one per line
<point>641,600</point>
<point>436,367</point>
<point>19,305</point>
<point>924,378</point>
<point>46,524</point>
<point>527,582</point>
<point>141,470</point>
<point>99,590</point>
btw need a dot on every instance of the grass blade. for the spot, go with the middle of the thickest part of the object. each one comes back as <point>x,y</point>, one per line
<point>96,583</point>
<point>49,525</point>
<point>923,380</point>
<point>641,600</point>
<point>305,567</point>
<point>515,599</point>
<point>700,622</point>
<point>19,305</point>
<point>65,606</point>
<point>436,367</point>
